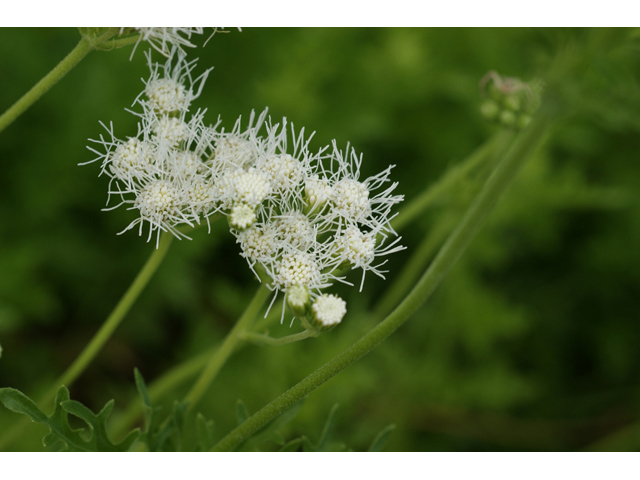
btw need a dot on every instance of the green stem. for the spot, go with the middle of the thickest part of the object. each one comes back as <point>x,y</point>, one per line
<point>119,43</point>
<point>221,355</point>
<point>71,60</point>
<point>495,146</point>
<point>262,339</point>
<point>447,256</point>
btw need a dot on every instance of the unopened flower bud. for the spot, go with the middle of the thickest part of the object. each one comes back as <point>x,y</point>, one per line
<point>327,311</point>
<point>490,109</point>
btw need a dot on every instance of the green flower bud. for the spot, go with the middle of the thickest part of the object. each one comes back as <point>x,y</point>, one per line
<point>327,311</point>
<point>508,118</point>
<point>490,109</point>
<point>298,300</point>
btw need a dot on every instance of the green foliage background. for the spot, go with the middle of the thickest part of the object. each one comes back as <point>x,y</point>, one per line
<point>529,344</point>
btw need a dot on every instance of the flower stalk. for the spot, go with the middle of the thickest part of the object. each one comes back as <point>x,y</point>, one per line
<point>49,80</point>
<point>218,359</point>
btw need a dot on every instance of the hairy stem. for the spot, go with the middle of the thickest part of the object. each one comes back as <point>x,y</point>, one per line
<point>263,339</point>
<point>447,256</point>
<point>49,80</point>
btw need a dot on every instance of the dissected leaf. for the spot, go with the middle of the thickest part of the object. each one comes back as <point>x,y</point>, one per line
<point>204,432</point>
<point>99,441</point>
<point>326,431</point>
<point>62,436</point>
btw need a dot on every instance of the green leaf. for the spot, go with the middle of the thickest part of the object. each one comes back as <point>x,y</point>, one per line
<point>62,436</point>
<point>172,428</point>
<point>292,446</point>
<point>307,446</point>
<point>326,431</point>
<point>99,441</point>
<point>241,412</point>
<point>381,439</point>
<point>204,433</point>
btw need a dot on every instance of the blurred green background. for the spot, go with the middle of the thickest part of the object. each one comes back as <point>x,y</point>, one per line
<point>531,342</point>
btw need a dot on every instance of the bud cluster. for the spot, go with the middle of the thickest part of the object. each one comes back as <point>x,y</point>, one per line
<point>509,101</point>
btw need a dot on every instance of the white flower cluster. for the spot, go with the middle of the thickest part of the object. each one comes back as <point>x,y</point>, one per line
<point>314,219</point>
<point>302,219</point>
<point>162,171</point>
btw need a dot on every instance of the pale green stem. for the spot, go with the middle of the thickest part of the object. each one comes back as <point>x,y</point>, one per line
<point>49,80</point>
<point>218,359</point>
<point>455,245</point>
<point>263,339</point>
<point>494,146</point>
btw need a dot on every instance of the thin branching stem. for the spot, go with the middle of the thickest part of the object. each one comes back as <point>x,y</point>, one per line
<point>218,359</point>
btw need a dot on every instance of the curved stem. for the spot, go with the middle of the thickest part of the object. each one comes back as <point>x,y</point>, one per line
<point>221,355</point>
<point>49,80</point>
<point>263,339</point>
<point>447,256</point>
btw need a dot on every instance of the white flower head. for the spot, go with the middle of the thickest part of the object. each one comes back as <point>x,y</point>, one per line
<point>317,192</point>
<point>351,199</point>
<point>132,159</point>
<point>328,310</point>
<point>171,129</point>
<point>242,216</point>
<point>171,88</point>
<point>298,269</point>
<point>160,172</point>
